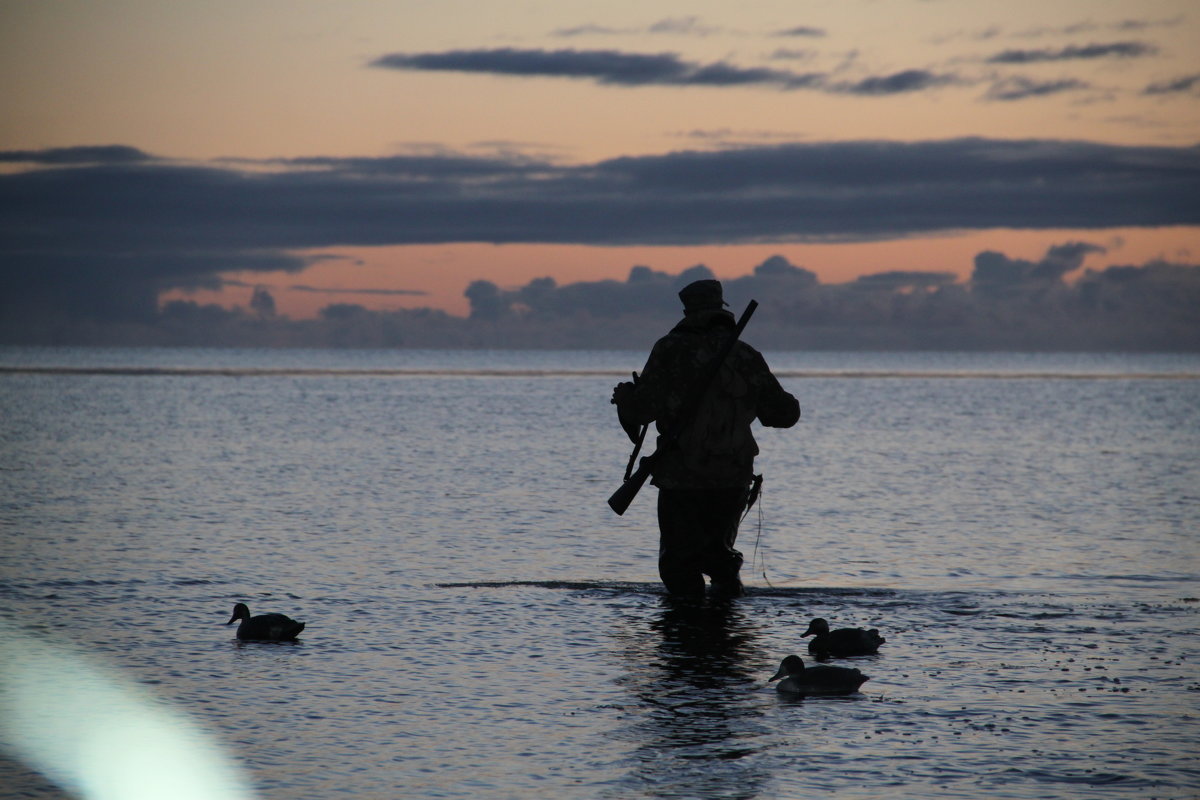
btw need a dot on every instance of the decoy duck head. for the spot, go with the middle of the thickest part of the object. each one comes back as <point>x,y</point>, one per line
<point>240,611</point>
<point>792,665</point>
<point>818,626</point>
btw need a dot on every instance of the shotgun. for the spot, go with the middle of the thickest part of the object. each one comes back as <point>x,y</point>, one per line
<point>623,496</point>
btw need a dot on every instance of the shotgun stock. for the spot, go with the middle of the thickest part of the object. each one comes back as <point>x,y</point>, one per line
<point>622,497</point>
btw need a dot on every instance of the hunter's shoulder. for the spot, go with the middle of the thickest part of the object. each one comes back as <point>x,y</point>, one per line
<point>746,350</point>
<point>747,354</point>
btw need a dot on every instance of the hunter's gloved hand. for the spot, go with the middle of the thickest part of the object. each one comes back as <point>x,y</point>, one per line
<point>622,392</point>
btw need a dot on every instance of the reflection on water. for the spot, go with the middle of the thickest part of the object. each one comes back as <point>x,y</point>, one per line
<point>699,723</point>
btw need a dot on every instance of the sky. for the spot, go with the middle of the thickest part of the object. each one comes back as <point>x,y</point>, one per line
<point>388,154</point>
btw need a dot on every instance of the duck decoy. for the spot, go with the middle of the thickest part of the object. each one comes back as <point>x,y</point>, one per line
<point>842,642</point>
<point>264,627</point>
<point>798,679</point>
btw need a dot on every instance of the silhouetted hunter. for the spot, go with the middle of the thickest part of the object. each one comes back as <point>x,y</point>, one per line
<point>703,387</point>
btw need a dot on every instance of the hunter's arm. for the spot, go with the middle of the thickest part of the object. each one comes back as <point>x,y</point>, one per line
<point>644,403</point>
<point>777,408</point>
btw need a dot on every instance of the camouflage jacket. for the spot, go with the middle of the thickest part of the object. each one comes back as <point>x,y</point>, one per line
<point>717,449</point>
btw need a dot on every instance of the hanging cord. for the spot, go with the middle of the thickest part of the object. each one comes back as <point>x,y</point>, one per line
<point>756,494</point>
<point>762,558</point>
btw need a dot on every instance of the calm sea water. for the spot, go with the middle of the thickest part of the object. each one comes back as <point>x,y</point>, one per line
<point>1023,530</point>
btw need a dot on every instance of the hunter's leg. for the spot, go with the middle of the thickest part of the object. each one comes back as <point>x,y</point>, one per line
<point>680,542</point>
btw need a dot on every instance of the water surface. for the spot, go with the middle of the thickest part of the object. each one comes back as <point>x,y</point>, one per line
<point>480,624</point>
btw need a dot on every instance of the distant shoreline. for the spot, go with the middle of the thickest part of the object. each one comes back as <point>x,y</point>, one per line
<point>418,372</point>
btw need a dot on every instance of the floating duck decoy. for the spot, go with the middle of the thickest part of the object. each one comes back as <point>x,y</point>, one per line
<point>798,679</point>
<point>842,642</point>
<point>264,627</point>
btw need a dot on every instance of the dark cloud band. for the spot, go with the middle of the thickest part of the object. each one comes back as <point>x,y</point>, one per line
<point>617,68</point>
<point>1074,53</point>
<point>96,154</point>
<point>1021,88</point>
<point>1181,85</point>
<point>99,232</point>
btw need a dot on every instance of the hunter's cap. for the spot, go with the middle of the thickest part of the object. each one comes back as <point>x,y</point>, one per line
<point>702,296</point>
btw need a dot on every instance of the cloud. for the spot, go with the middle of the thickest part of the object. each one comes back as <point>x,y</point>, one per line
<point>436,166</point>
<point>1062,259</point>
<point>683,25</point>
<point>733,137</point>
<point>617,68</point>
<point>1145,24</point>
<point>909,80</point>
<point>590,29</point>
<point>1022,88</point>
<point>262,302</point>
<point>105,238</point>
<point>96,154</point>
<point>1011,304</point>
<point>801,30</point>
<point>610,67</point>
<point>1186,83</point>
<point>779,267</point>
<point>997,271</point>
<point>791,54</point>
<point>645,292</point>
<point>1074,53</point>
<point>1076,28</point>
<point>679,26</point>
<point>894,280</point>
<point>300,287</point>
